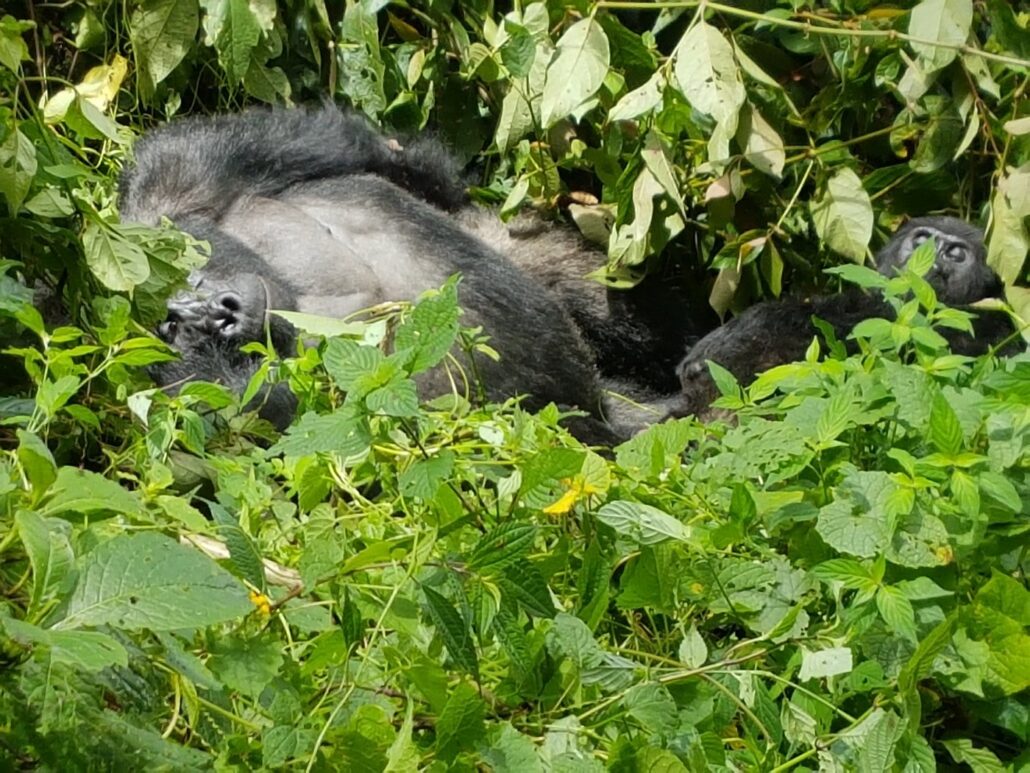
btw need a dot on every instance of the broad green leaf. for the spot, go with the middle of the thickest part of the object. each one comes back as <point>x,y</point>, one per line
<point>763,146</point>
<point>823,663</point>
<point>431,329</point>
<point>342,432</point>
<point>707,74</point>
<point>36,461</point>
<point>920,665</point>
<point>246,664</point>
<point>118,263</point>
<point>397,398</point>
<point>1010,241</point>
<point>17,168</point>
<point>460,724</point>
<point>945,432</point>
<point>652,706</point>
<point>573,639</point>
<point>148,580</point>
<point>879,742</point>
<point>897,612</point>
<point>424,476</point>
<point>346,361</point>
<point>523,582</point>
<point>642,523</point>
<point>13,50</point>
<point>234,27</point>
<point>576,71</point>
<point>848,572</point>
<point>936,22</point>
<point>511,752</point>
<point>329,327</point>
<point>693,651</point>
<point>980,760</point>
<point>641,101</point>
<point>80,492</point>
<point>86,650</point>
<point>269,84</point>
<point>502,546</point>
<point>521,104</point>
<point>162,33</point>
<point>858,521</point>
<point>843,215</point>
<point>48,546</point>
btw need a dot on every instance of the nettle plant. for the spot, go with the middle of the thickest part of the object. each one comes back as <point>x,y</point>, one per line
<point>865,519</point>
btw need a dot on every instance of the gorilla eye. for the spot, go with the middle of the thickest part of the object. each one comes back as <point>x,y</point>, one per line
<point>919,237</point>
<point>956,253</point>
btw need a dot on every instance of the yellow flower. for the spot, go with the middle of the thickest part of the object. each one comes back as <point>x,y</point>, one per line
<point>575,489</point>
<point>262,602</point>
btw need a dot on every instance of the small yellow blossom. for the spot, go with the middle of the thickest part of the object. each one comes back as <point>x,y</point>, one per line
<point>575,489</point>
<point>262,602</point>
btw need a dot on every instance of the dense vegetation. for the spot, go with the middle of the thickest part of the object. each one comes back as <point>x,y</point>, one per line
<point>835,580</point>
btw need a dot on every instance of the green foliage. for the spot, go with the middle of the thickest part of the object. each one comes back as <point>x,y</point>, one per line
<point>836,578</point>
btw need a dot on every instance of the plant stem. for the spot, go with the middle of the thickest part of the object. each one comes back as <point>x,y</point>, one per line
<point>808,28</point>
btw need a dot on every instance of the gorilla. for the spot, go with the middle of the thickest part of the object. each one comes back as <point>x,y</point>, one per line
<point>315,211</point>
<point>777,332</point>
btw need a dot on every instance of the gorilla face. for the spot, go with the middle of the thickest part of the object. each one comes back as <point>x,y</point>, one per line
<point>960,274</point>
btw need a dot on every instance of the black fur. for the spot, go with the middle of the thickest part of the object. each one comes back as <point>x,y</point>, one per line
<point>778,332</point>
<point>314,211</point>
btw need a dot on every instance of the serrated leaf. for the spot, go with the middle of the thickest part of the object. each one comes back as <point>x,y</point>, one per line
<point>945,431</point>
<point>523,582</point>
<point>652,706</point>
<point>423,478</point>
<point>642,523</point>
<point>897,612</point>
<point>431,329</point>
<point>147,580</point>
<point>843,215</point>
<point>576,72</point>
<point>455,631</point>
<point>342,432</point>
<point>502,546</point>
<point>460,725</point>
<point>399,397</point>
<point>346,361</point>
<point>848,572</point>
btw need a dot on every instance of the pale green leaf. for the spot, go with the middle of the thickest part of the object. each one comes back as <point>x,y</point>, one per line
<point>576,72</point>
<point>843,215</point>
<point>944,22</point>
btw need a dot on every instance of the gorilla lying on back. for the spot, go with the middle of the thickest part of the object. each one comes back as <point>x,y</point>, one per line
<point>778,332</point>
<point>315,211</point>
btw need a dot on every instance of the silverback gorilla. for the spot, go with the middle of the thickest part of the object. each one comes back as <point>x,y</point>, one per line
<point>778,332</point>
<point>315,211</point>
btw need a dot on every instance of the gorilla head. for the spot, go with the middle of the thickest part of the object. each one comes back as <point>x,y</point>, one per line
<point>960,273</point>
